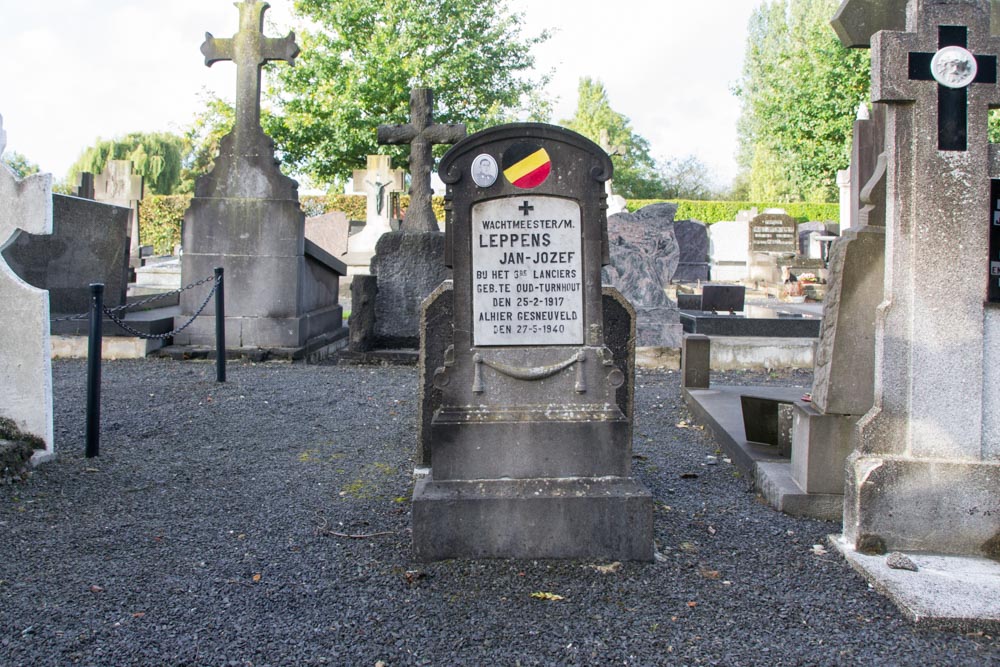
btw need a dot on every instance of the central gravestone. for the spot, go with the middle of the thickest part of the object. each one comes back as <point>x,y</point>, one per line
<point>530,454</point>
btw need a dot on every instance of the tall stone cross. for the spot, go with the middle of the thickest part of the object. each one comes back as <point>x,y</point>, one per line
<point>422,134</point>
<point>249,49</point>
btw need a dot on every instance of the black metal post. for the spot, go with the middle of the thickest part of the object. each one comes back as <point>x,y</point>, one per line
<point>94,371</point>
<point>220,326</point>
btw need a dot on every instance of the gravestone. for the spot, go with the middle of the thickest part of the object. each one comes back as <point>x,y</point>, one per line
<point>729,249</point>
<point>692,244</point>
<point>25,347</point>
<point>807,231</point>
<point>89,243</point>
<point>379,182</point>
<point>530,452</point>
<point>408,264</point>
<point>281,289</point>
<point>118,186</point>
<point>773,237</point>
<point>925,475</point>
<point>329,231</point>
<point>643,259</point>
<point>85,188</point>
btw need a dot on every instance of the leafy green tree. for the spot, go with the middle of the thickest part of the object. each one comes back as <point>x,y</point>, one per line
<point>157,157</point>
<point>19,164</point>
<point>800,91</point>
<point>360,58</point>
<point>687,178</point>
<point>636,175</point>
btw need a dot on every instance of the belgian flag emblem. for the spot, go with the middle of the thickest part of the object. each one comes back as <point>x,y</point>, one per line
<point>526,165</point>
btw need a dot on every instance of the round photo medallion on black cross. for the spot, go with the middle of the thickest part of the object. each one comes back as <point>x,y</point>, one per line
<point>526,165</point>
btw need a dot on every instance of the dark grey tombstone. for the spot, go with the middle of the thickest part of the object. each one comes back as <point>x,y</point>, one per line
<point>806,231</point>
<point>723,298</point>
<point>774,233</point>
<point>644,257</point>
<point>760,419</point>
<point>89,244</point>
<point>530,450</point>
<point>281,289</point>
<point>692,244</point>
<point>85,186</point>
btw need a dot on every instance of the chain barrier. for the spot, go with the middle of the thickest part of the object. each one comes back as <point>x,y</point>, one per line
<point>132,306</point>
<point>112,312</point>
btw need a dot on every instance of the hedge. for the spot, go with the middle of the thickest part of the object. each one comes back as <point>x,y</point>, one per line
<point>160,216</point>
<point>717,211</point>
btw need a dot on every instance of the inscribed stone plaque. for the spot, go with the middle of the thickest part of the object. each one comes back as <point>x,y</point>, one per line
<point>773,232</point>
<point>527,272</point>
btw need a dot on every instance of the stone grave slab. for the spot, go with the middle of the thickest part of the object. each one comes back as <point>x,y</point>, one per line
<point>89,244</point>
<point>25,344</point>
<point>529,370</point>
<point>692,244</point>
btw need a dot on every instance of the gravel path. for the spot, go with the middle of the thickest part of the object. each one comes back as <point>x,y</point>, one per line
<point>212,531</point>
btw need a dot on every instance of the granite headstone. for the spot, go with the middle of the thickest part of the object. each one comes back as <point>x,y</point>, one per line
<point>692,244</point>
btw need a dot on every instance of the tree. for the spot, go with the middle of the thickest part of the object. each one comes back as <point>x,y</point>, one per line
<point>157,157</point>
<point>201,141</point>
<point>360,61</point>
<point>19,164</point>
<point>686,178</point>
<point>636,174</point>
<point>800,91</point>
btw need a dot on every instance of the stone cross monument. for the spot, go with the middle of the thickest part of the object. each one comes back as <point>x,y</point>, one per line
<point>925,473</point>
<point>378,182</point>
<point>281,289</point>
<point>25,351</point>
<point>422,133</point>
<point>249,49</point>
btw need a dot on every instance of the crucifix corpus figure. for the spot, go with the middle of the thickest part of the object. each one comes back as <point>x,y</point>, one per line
<point>422,134</point>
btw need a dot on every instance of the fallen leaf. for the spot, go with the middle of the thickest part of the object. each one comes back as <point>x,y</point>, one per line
<point>682,424</point>
<point>709,574</point>
<point>689,475</point>
<point>818,550</point>
<point>692,604</point>
<point>96,589</point>
<point>711,530</point>
<point>256,578</point>
<point>607,569</point>
<point>138,614</point>
<point>413,576</point>
<point>547,596</point>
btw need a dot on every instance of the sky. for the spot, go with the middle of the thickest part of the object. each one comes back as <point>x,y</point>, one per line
<point>76,70</point>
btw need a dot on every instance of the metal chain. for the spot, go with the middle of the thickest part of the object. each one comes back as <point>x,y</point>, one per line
<point>157,297</point>
<point>129,306</point>
<point>111,314</point>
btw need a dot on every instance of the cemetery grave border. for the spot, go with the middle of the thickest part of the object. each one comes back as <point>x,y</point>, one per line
<point>117,315</point>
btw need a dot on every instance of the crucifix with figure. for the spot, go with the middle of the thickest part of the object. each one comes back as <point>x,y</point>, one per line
<point>249,49</point>
<point>422,133</point>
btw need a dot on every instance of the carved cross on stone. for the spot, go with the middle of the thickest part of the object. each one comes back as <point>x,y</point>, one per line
<point>422,134</point>
<point>249,49</point>
<point>902,61</point>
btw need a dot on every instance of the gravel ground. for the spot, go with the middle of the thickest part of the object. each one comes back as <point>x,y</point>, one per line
<point>214,530</point>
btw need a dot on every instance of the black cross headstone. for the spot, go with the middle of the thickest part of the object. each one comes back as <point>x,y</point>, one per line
<point>422,133</point>
<point>952,102</point>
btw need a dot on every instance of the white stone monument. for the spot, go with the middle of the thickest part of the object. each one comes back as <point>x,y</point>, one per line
<point>25,348</point>
<point>378,182</point>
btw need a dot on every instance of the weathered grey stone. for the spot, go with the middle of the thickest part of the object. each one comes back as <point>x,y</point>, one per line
<point>422,134</point>
<point>329,231</point>
<point>281,290</point>
<point>820,445</point>
<point>925,475</point>
<point>856,21</point>
<point>644,257</point>
<point>696,358</point>
<point>118,186</point>
<point>25,347</point>
<point>408,268</point>
<point>900,561</point>
<point>89,244</point>
<point>530,448</point>
<point>362,320</point>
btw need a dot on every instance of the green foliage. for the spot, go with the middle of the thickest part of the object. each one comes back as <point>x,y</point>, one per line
<point>635,169</point>
<point>360,58</point>
<point>717,211</point>
<point>160,218</point>
<point>155,156</point>
<point>19,164</point>
<point>686,178</point>
<point>201,141</point>
<point>800,91</point>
